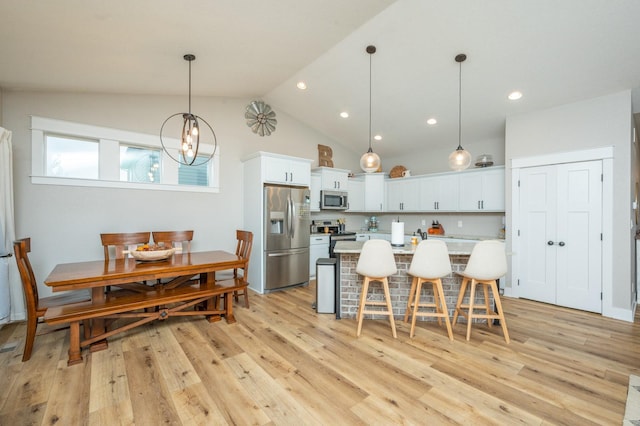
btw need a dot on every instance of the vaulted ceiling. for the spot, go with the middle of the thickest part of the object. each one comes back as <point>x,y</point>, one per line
<point>554,52</point>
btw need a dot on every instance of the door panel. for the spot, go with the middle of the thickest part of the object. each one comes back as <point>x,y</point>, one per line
<point>579,228</point>
<point>537,210</point>
<point>276,225</point>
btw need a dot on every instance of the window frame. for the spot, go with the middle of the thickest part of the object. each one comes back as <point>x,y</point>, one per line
<point>109,157</point>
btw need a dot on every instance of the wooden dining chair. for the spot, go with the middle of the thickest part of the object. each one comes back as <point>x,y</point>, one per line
<point>36,306</point>
<point>172,238</point>
<point>243,249</point>
<point>122,242</point>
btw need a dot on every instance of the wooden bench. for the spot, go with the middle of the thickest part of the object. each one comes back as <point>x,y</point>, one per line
<point>203,298</point>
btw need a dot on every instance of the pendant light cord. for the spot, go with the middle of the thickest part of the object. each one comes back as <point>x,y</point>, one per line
<point>190,87</point>
<point>370,54</point>
<point>460,107</point>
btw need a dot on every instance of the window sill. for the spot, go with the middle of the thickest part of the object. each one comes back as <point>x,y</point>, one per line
<point>62,181</point>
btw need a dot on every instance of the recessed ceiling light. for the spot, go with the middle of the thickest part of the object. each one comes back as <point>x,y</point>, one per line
<point>344,114</point>
<point>378,137</point>
<point>514,96</point>
<point>301,85</point>
<point>432,121</point>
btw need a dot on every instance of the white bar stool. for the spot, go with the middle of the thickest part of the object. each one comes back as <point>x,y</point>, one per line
<point>488,262</point>
<point>429,264</point>
<point>376,263</point>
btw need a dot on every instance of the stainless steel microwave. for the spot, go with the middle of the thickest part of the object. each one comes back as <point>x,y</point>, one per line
<point>333,200</point>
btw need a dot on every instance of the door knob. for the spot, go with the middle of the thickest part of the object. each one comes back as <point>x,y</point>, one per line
<point>549,243</point>
<point>561,243</point>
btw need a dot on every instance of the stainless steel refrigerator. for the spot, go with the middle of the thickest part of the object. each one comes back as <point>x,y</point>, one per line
<point>287,226</point>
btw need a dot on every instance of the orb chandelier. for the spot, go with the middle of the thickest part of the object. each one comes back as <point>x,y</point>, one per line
<point>460,159</point>
<point>370,161</point>
<point>195,149</point>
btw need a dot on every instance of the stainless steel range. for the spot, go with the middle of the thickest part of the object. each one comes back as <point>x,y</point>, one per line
<point>335,228</point>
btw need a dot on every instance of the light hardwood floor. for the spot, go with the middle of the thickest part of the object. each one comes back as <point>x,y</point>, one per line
<point>281,363</point>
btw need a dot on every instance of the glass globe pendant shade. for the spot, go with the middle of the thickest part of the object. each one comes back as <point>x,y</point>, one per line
<point>459,159</point>
<point>370,161</point>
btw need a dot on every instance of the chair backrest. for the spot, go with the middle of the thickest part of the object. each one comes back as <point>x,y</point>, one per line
<point>376,259</point>
<point>172,238</point>
<point>122,242</point>
<point>29,285</point>
<point>430,260</point>
<point>488,261</point>
<point>243,249</point>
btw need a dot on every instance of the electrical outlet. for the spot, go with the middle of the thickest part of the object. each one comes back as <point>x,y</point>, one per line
<point>459,224</point>
<point>424,222</point>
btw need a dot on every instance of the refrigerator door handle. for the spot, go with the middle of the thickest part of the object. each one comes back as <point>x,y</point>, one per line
<point>288,253</point>
<point>293,216</point>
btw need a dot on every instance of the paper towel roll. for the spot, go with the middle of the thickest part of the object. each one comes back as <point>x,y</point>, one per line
<point>397,233</point>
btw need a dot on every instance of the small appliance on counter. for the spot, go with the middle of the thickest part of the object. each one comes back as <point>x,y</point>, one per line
<point>436,228</point>
<point>373,224</point>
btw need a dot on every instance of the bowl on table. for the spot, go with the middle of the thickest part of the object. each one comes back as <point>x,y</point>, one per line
<point>152,255</point>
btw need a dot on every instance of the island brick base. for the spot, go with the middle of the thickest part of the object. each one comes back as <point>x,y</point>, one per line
<point>399,286</point>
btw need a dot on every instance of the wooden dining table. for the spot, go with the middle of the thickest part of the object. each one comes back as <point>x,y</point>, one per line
<point>132,274</point>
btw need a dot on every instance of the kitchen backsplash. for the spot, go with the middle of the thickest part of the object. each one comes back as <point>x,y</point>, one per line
<point>484,224</point>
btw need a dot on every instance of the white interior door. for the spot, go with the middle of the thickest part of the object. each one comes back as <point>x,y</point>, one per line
<point>560,234</point>
<point>538,206</point>
<point>579,230</point>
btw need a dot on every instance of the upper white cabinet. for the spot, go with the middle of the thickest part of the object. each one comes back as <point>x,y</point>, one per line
<point>333,179</point>
<point>482,190</point>
<point>403,194</point>
<point>373,192</point>
<point>314,188</point>
<point>355,195</point>
<point>439,193</point>
<point>285,170</point>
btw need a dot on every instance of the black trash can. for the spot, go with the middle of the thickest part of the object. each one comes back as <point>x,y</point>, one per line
<point>326,286</point>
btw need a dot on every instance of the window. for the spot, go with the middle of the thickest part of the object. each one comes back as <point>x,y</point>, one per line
<point>67,153</point>
<point>194,175</point>
<point>139,164</point>
<point>71,157</point>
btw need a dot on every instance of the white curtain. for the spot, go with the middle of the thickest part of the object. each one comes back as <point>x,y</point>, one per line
<point>10,286</point>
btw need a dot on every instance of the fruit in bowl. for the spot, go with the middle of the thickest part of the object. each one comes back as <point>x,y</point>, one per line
<point>152,252</point>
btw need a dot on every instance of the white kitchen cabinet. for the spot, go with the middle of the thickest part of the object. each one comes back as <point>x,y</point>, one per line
<point>362,237</point>
<point>439,193</point>
<point>314,189</point>
<point>286,170</point>
<point>403,194</point>
<point>333,179</point>
<point>373,192</point>
<point>318,249</point>
<point>482,190</point>
<point>355,195</point>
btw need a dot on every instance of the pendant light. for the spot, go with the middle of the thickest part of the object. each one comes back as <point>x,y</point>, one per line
<point>370,161</point>
<point>460,158</point>
<point>191,138</point>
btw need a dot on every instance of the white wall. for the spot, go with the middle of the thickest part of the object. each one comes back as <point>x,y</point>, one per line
<point>600,122</point>
<point>436,160</point>
<point>64,222</point>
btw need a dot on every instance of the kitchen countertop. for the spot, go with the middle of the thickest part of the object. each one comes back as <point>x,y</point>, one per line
<point>452,236</point>
<point>355,247</point>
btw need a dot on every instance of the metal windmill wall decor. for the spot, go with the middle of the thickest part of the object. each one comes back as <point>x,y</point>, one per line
<point>260,118</point>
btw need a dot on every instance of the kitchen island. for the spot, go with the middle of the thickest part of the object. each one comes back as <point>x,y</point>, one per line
<point>349,282</point>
